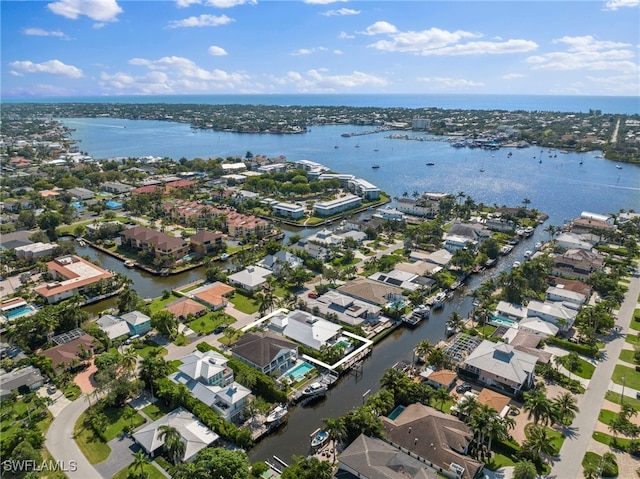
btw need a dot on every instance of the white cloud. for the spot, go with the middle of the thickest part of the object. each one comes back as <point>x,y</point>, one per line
<point>201,21</point>
<point>215,3</point>
<point>338,52</point>
<point>587,53</point>
<point>345,35</point>
<point>322,2</point>
<point>53,67</point>
<point>217,51</point>
<point>307,51</point>
<point>39,32</point>
<point>99,10</point>
<point>379,28</point>
<point>187,3</point>
<point>615,4</point>
<point>513,76</point>
<point>316,80</point>
<point>340,12</point>
<point>450,83</point>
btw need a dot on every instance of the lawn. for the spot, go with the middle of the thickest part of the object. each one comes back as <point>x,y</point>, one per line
<point>244,303</point>
<point>159,303</point>
<point>15,416</point>
<point>46,456</point>
<point>208,322</point>
<point>616,397</point>
<point>156,410</point>
<point>118,421</point>
<point>144,350</point>
<point>585,369</point>
<point>150,471</point>
<point>94,448</point>
<point>635,324</point>
<point>632,377</point>
<point>628,356</point>
<point>615,442</point>
<point>606,416</point>
<point>631,338</point>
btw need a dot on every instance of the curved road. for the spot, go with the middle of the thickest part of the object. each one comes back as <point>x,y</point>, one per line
<point>61,443</point>
<point>568,465</point>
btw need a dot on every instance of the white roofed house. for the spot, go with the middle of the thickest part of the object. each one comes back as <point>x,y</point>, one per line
<point>508,310</point>
<point>276,261</point>
<point>210,380</point>
<point>555,293</point>
<point>501,366</point>
<point>307,329</point>
<point>288,210</point>
<point>561,314</point>
<point>250,279</point>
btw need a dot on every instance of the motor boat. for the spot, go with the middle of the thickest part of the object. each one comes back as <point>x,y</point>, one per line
<point>314,389</point>
<point>319,439</point>
<point>277,414</point>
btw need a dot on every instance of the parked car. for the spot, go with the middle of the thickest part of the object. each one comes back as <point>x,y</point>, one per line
<point>219,329</point>
<point>312,295</point>
<point>463,388</point>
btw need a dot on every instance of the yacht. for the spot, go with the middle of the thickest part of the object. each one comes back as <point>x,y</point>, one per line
<point>619,167</point>
<point>278,413</point>
<point>314,389</point>
<point>516,264</point>
<point>319,439</point>
<point>129,263</point>
<point>438,301</point>
<point>430,164</point>
<point>527,254</point>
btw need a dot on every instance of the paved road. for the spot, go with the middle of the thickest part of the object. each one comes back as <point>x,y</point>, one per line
<point>575,445</point>
<point>62,446</point>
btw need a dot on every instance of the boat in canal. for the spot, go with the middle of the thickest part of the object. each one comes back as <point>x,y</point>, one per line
<point>277,414</point>
<point>319,439</point>
<point>417,315</point>
<point>375,167</point>
<point>129,263</point>
<point>314,389</point>
<point>438,301</point>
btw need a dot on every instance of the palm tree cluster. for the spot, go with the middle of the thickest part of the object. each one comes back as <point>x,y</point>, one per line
<point>560,410</point>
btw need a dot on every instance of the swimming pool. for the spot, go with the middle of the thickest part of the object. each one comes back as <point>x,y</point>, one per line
<point>500,321</point>
<point>298,372</point>
<point>343,342</point>
<point>396,412</point>
<point>19,311</point>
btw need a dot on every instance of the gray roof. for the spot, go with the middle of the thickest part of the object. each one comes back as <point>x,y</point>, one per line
<point>113,326</point>
<point>261,348</point>
<point>135,318</point>
<point>310,330</point>
<point>28,376</point>
<point>502,360</point>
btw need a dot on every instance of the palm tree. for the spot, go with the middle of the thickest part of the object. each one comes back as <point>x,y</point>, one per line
<point>466,407</point>
<point>140,460</point>
<point>455,321</point>
<point>525,470</point>
<point>423,348</point>
<point>538,441</point>
<point>566,407</point>
<point>336,430</point>
<point>537,405</point>
<point>129,361</point>
<point>526,202</point>
<point>173,445</point>
<point>590,471</point>
<point>441,395</point>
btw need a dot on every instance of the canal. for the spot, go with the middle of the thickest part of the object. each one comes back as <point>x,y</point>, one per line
<point>351,390</point>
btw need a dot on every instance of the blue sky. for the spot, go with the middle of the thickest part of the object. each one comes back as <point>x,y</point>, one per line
<point>122,47</point>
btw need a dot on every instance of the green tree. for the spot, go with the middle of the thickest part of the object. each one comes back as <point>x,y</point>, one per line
<point>140,459</point>
<point>308,468</point>
<point>173,445</point>
<point>336,430</point>
<point>216,463</point>
<point>165,323</point>
<point>538,406</point>
<point>525,470</point>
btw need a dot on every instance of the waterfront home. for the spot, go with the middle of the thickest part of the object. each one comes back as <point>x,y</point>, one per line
<point>305,328</point>
<point>347,309</point>
<point>266,352</point>
<point>420,268</point>
<point>206,242</point>
<point>593,223</point>
<point>113,326</point>
<point>577,264</point>
<point>22,380</point>
<point>421,207</point>
<point>454,242</point>
<point>275,262</point>
<point>570,240</point>
<point>250,279</point>
<point>311,166</point>
<point>193,434</point>
<point>357,236</point>
<point>333,207</point>
<point>165,247</point>
<point>240,225</point>
<point>104,229</point>
<point>496,222</point>
<point>288,210</point>
<point>71,275</point>
<point>401,279</point>
<point>356,224</point>
<point>556,293</point>
<point>364,189</point>
<point>215,295</point>
<point>515,312</point>
<point>210,380</point>
<point>438,438</point>
<point>439,378</point>
<point>562,314</point>
<point>184,308</point>
<point>526,342</point>
<point>326,237</point>
<point>371,291</point>
<point>71,348</point>
<point>139,323</point>
<point>373,458</point>
<point>440,257</point>
<point>501,366</point>
<point>389,213</point>
<point>33,251</point>
<point>314,250</point>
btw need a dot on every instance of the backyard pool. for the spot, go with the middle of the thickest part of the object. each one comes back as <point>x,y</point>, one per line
<point>298,372</point>
<point>500,321</point>
<point>19,311</point>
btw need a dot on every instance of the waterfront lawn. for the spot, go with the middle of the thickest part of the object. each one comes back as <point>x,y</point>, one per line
<point>159,303</point>
<point>617,397</point>
<point>632,377</point>
<point>150,472</point>
<point>94,448</point>
<point>244,303</point>
<point>117,421</point>
<point>628,356</point>
<point>157,410</point>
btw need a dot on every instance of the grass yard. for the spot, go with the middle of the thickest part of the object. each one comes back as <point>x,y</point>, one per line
<point>144,350</point>
<point>585,369</point>
<point>150,471</point>
<point>156,410</point>
<point>159,303</point>
<point>244,303</point>
<point>616,398</point>
<point>632,377</point>
<point>606,416</point>
<point>118,420</point>
<point>207,323</point>
<point>631,338</point>
<point>635,324</point>
<point>94,448</point>
<point>628,356</point>
<point>615,442</point>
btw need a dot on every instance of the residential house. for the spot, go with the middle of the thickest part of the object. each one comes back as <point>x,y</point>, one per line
<point>348,309</point>
<point>570,240</point>
<point>214,295</point>
<point>314,250</point>
<point>139,323</point>
<point>160,244</point>
<point>210,380</point>
<point>239,225</point>
<point>23,379</point>
<point>371,291</point>
<point>74,351</point>
<point>305,328</point>
<point>438,438</point>
<point>372,458</point>
<point>440,257</point>
<point>326,237</point>
<point>81,194</point>
<point>71,275</point>
<point>439,378</point>
<point>460,235</point>
<point>275,262</point>
<point>515,312</point>
<point>496,401</point>
<point>562,314</point>
<point>115,187</point>
<point>401,279</point>
<point>250,279</point>
<point>113,326</point>
<point>576,263</point>
<point>206,242</point>
<point>185,307</point>
<point>558,293</point>
<point>33,251</point>
<point>538,327</point>
<point>500,366</point>
<point>266,352</point>
<point>194,435</point>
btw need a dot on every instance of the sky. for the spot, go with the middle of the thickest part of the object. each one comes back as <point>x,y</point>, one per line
<point>69,48</point>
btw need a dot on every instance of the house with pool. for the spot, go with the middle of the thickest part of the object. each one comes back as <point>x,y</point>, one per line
<point>305,328</point>
<point>266,352</point>
<point>15,308</point>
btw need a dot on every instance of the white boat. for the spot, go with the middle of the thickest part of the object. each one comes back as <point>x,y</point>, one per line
<point>438,301</point>
<point>538,245</point>
<point>527,254</point>
<point>619,167</point>
<point>224,256</point>
<point>319,439</point>
<point>516,264</point>
<point>278,413</point>
<point>129,263</point>
<point>314,389</point>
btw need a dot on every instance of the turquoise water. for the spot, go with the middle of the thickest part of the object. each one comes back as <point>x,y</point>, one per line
<point>17,312</point>
<point>188,257</point>
<point>499,320</point>
<point>299,371</point>
<point>396,412</point>
<point>345,343</point>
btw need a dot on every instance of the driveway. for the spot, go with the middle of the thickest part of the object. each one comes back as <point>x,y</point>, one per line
<point>122,449</point>
<point>568,464</point>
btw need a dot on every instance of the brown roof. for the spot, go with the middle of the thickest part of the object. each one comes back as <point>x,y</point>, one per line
<point>261,348</point>
<point>214,294</point>
<point>572,285</point>
<point>64,354</point>
<point>72,279</point>
<point>153,237</point>
<point>433,435</point>
<point>369,290</point>
<point>203,236</point>
<point>493,399</point>
<point>183,307</point>
<point>443,376</point>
